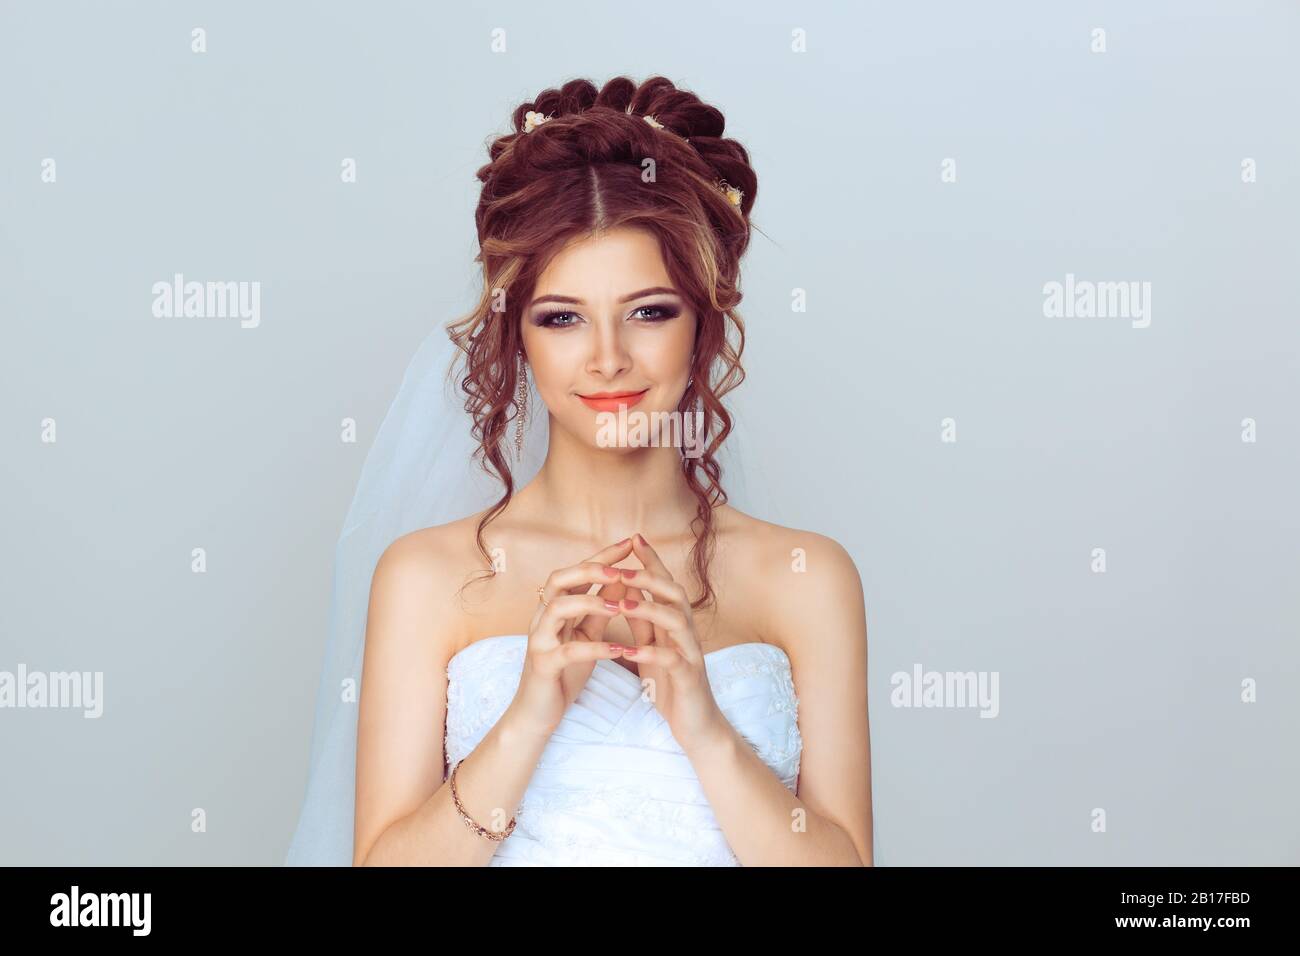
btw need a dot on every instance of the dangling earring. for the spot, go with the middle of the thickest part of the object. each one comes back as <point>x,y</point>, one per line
<point>522,402</point>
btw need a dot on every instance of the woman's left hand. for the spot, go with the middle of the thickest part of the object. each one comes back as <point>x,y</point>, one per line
<point>667,652</point>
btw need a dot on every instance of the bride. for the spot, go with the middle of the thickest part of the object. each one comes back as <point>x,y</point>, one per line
<point>610,665</point>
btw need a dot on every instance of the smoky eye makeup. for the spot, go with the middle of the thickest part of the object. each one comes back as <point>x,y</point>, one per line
<point>660,312</point>
<point>650,314</point>
<point>551,320</point>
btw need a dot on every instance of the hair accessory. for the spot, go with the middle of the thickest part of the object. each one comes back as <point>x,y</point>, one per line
<point>733,194</point>
<point>533,119</point>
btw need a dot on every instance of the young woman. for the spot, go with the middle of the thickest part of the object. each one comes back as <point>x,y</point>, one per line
<point>611,665</point>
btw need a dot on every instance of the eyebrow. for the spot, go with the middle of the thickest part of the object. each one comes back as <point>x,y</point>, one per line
<point>653,290</point>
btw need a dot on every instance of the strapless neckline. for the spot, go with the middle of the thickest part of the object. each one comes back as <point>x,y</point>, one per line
<point>708,655</point>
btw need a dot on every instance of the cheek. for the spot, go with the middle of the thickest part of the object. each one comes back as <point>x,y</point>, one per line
<point>678,347</point>
<point>661,360</point>
<point>551,364</point>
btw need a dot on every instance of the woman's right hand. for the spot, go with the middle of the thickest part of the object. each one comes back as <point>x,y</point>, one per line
<point>566,638</point>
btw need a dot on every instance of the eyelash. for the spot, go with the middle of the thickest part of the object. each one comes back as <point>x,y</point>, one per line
<point>546,320</point>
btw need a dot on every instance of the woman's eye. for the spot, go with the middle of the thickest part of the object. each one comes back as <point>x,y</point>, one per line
<point>551,320</point>
<point>663,313</point>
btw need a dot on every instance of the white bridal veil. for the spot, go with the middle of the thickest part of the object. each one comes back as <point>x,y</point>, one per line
<point>420,472</point>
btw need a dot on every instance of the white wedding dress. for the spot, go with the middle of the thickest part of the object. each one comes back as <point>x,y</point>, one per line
<point>612,787</point>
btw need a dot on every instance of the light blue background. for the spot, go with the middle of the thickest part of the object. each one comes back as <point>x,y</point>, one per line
<point>1118,690</point>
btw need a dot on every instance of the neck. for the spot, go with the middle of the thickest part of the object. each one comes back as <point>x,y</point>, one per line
<point>609,494</point>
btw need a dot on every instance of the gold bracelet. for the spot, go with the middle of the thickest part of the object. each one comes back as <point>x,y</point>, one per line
<point>468,820</point>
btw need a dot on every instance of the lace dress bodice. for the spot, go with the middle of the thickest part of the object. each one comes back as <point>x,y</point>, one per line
<point>612,787</point>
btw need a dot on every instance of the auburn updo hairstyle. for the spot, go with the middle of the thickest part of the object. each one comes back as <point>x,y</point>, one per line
<point>594,164</point>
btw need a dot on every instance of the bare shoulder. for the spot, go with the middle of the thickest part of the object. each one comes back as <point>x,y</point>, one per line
<point>776,551</point>
<point>427,557</point>
<point>807,583</point>
<point>419,575</point>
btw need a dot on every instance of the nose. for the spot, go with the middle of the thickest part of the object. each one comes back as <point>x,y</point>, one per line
<point>609,355</point>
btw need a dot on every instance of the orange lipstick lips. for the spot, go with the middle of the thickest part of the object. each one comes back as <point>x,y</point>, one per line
<point>610,401</point>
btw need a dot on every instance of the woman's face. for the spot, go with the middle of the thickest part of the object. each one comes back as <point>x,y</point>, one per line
<point>605,318</point>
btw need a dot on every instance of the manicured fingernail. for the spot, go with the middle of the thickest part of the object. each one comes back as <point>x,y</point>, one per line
<point>623,542</point>
<point>611,571</point>
<point>612,605</point>
<point>627,572</point>
<point>618,648</point>
<point>640,540</point>
<point>629,652</point>
<point>629,603</point>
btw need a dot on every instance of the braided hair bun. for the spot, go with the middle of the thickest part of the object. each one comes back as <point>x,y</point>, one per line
<point>581,126</point>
